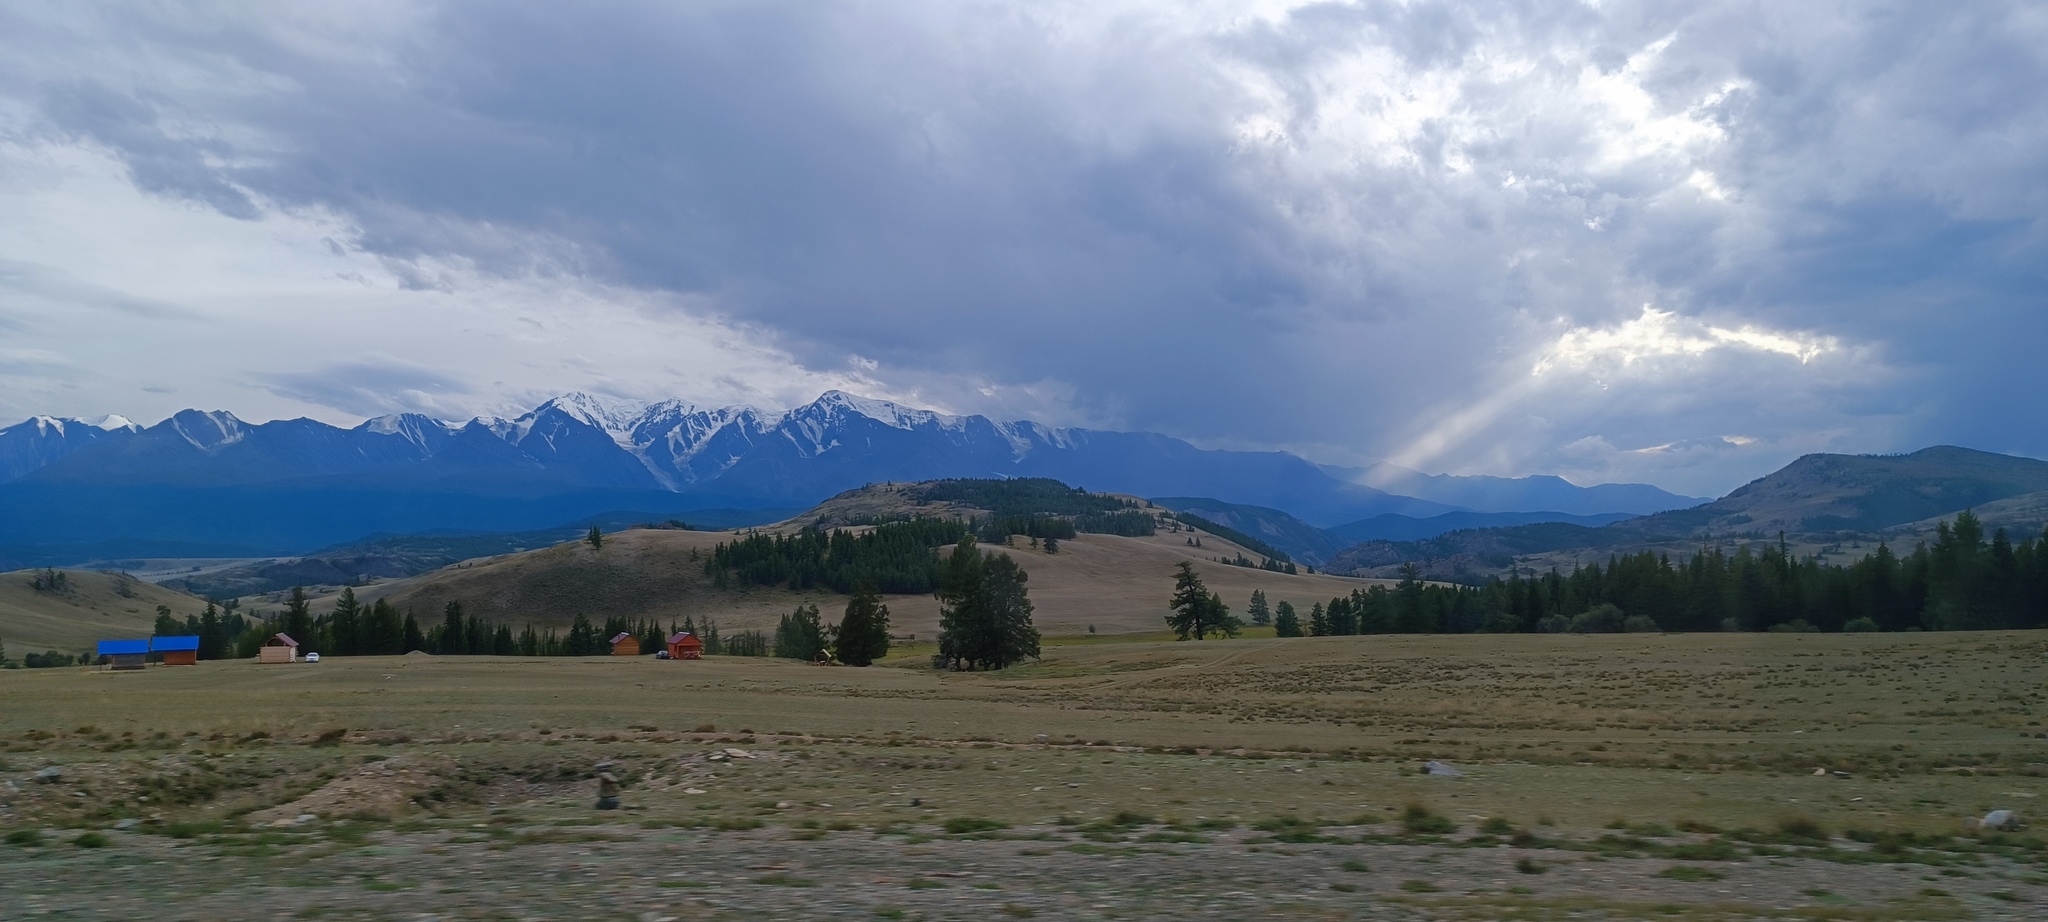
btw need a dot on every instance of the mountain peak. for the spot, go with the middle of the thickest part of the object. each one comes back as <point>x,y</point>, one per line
<point>208,430</point>
<point>609,414</point>
<point>882,411</point>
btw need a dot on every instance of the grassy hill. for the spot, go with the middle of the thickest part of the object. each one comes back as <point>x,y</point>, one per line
<point>1834,505</point>
<point>91,607</point>
<point>1115,584</point>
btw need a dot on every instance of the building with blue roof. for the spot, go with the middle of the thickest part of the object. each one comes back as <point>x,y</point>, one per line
<point>124,654</point>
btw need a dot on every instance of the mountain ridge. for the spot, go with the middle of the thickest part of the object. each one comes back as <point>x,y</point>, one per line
<point>289,486</point>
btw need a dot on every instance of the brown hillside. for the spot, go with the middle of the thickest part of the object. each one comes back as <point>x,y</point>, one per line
<point>94,606</point>
<point>1115,584</point>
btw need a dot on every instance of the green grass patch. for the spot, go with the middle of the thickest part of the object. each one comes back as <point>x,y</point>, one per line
<point>968,825</point>
<point>1690,873</point>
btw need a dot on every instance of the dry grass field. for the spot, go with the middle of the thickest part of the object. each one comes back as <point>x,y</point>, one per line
<point>1115,584</point>
<point>1618,776</point>
<point>92,607</point>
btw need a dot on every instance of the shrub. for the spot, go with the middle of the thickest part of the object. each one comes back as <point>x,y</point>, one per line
<point>1419,819</point>
<point>91,840</point>
<point>964,825</point>
<point>1604,618</point>
<point>1687,872</point>
<point>25,838</point>
<point>1864,625</point>
<point>1554,624</point>
<point>1800,827</point>
<point>1794,626</point>
<point>1496,826</point>
<point>1640,624</point>
<point>1528,866</point>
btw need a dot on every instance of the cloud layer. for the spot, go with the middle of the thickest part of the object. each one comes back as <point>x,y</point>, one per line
<point>1419,231</point>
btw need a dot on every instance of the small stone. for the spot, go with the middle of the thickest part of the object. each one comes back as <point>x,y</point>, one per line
<point>1040,738</point>
<point>1820,773</point>
<point>129,823</point>
<point>49,775</point>
<point>693,790</point>
<point>304,818</point>
<point>1440,770</point>
<point>783,805</point>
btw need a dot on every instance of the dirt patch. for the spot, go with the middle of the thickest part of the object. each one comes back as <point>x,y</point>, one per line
<point>378,790</point>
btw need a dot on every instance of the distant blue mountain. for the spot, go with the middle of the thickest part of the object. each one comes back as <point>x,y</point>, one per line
<point>1396,527</point>
<point>208,479</point>
<point>1516,494</point>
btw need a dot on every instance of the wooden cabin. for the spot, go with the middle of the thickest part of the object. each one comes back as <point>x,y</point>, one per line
<point>124,655</point>
<point>280,648</point>
<point>625,645</point>
<point>177,651</point>
<point>684,645</point>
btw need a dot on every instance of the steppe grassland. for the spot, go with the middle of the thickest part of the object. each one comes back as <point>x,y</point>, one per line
<point>1721,730</point>
<point>91,607</point>
<point>1115,585</point>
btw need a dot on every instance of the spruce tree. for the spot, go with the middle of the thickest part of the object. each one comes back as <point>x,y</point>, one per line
<point>1052,544</point>
<point>452,642</point>
<point>596,538</point>
<point>344,625</point>
<point>1011,634</point>
<point>298,617</point>
<point>1257,610</point>
<point>864,629</point>
<point>414,640</point>
<point>1285,622</point>
<point>800,635</point>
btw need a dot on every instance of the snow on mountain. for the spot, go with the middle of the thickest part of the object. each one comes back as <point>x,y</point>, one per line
<point>209,431</point>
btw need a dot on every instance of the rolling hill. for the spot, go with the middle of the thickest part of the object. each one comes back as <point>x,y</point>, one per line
<point>93,606</point>
<point>1822,503</point>
<point>1111,583</point>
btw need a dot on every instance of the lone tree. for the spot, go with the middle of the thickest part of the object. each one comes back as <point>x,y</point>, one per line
<point>1285,622</point>
<point>1257,610</point>
<point>864,629</point>
<point>1052,544</point>
<point>596,538</point>
<point>1197,612</point>
<point>984,611</point>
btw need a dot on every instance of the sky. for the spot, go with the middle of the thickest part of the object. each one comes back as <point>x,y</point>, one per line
<point>1656,242</point>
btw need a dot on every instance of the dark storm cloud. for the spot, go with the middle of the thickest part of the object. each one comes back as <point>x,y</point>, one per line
<point>1332,228</point>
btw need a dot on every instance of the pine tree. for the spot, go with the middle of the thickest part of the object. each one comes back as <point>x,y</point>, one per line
<point>298,617</point>
<point>213,642</point>
<point>1257,610</point>
<point>414,640</point>
<point>1197,612</point>
<point>344,625</point>
<point>984,611</point>
<point>1052,545</point>
<point>1285,622</point>
<point>595,538</point>
<point>1013,638</point>
<point>864,629</point>
<point>452,642</point>
<point>800,635</point>
<point>1318,621</point>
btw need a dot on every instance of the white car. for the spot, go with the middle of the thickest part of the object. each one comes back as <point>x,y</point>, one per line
<point>312,657</point>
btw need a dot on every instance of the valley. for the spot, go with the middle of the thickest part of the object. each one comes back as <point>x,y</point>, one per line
<point>1615,777</point>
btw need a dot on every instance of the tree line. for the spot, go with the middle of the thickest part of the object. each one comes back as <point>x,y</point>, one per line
<point>1963,581</point>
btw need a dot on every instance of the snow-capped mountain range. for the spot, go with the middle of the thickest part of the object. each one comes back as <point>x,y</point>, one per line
<point>209,477</point>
